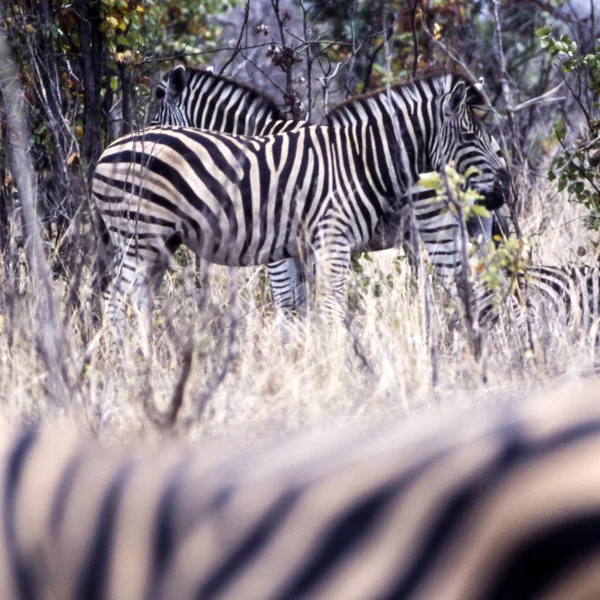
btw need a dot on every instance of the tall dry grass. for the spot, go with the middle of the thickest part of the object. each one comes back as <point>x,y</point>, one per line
<point>238,368</point>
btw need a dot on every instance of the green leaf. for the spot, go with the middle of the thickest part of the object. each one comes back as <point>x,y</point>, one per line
<point>431,181</point>
<point>560,129</point>
<point>114,83</point>
<point>480,211</point>
<point>562,183</point>
<point>472,171</point>
<point>543,31</point>
<point>470,196</point>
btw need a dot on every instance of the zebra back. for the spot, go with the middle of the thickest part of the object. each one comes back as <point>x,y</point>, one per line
<point>499,503</point>
<point>572,292</point>
<point>200,98</point>
<point>568,295</point>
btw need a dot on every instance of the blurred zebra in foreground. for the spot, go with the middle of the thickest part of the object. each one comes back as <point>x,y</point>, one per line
<point>502,503</point>
<point>317,192</point>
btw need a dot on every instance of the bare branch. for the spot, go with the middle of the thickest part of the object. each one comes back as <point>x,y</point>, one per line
<point>50,340</point>
<point>544,98</point>
<point>506,93</point>
<point>413,27</point>
<point>238,44</point>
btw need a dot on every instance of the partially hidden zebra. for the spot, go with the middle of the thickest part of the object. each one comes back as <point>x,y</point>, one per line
<point>546,300</point>
<point>501,503</point>
<point>198,98</point>
<point>317,192</point>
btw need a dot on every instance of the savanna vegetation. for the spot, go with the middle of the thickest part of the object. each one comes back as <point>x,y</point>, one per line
<point>76,75</point>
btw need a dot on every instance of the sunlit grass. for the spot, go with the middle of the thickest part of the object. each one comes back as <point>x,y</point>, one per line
<point>278,376</point>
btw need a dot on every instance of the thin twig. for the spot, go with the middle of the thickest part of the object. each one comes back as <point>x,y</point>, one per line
<point>168,418</point>
<point>539,99</point>
<point>413,27</point>
<point>506,93</point>
<point>238,44</point>
<point>423,279</point>
<point>219,377</point>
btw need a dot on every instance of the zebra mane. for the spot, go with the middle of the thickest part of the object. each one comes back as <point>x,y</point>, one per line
<point>254,95</point>
<point>442,83</point>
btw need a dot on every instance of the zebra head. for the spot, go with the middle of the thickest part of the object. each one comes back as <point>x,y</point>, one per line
<point>170,95</point>
<point>465,143</point>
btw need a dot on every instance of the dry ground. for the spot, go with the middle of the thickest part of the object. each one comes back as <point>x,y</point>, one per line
<point>275,377</point>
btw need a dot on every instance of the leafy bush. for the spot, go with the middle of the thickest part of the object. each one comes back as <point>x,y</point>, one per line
<point>576,167</point>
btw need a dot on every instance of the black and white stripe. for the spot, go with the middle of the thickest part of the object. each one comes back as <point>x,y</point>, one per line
<point>546,296</point>
<point>317,191</point>
<point>570,292</point>
<point>501,503</point>
<point>200,98</point>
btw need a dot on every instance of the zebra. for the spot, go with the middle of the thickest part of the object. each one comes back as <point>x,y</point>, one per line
<point>572,292</point>
<point>199,98</point>
<point>545,295</point>
<point>502,502</point>
<point>317,191</point>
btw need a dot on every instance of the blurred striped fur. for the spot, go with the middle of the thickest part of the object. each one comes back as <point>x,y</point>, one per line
<point>499,504</point>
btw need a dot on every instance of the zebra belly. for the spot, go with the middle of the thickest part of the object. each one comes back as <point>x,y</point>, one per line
<point>229,250</point>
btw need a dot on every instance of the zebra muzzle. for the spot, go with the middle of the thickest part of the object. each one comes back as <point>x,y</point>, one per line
<point>500,192</point>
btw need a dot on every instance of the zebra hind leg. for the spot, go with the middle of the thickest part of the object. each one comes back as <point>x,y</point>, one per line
<point>288,286</point>
<point>331,266</point>
<point>138,278</point>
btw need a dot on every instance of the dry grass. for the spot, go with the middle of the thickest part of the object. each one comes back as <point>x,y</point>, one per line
<point>276,376</point>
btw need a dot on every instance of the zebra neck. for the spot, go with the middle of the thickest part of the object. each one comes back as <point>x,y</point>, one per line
<point>388,132</point>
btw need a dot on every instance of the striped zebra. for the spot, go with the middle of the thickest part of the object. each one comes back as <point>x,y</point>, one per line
<point>546,295</point>
<point>199,98</point>
<point>569,294</point>
<point>499,504</point>
<point>195,98</point>
<point>317,192</point>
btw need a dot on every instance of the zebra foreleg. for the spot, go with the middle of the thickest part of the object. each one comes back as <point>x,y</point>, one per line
<point>288,285</point>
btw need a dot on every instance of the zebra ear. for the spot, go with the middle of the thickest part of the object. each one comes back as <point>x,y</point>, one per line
<point>476,96</point>
<point>177,81</point>
<point>456,99</point>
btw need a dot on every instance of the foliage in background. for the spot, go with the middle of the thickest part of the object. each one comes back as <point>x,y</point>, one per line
<point>87,68</point>
<point>576,168</point>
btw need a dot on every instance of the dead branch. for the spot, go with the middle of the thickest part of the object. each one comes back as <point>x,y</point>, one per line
<point>219,376</point>
<point>547,97</point>
<point>50,336</point>
<point>506,92</point>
